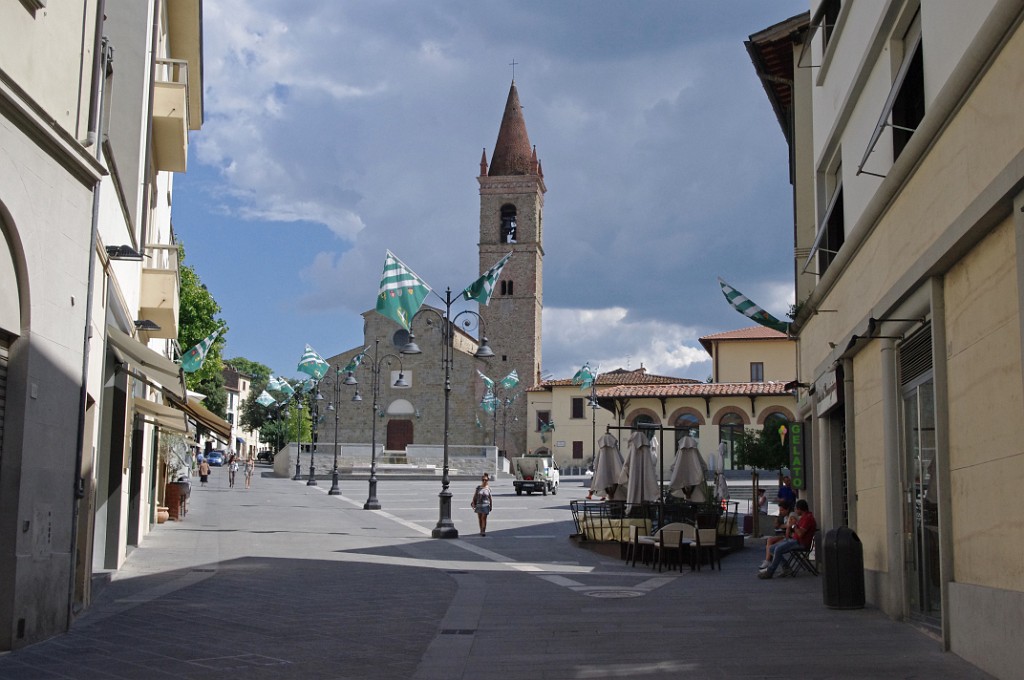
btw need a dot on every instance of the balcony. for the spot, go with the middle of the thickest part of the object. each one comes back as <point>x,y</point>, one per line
<point>170,115</point>
<point>160,290</point>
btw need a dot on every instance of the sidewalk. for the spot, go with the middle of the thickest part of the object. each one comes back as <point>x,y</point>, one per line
<point>283,581</point>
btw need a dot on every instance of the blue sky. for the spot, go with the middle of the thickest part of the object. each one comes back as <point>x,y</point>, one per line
<point>336,130</point>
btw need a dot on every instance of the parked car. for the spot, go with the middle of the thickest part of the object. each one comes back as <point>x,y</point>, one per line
<point>265,457</point>
<point>215,458</point>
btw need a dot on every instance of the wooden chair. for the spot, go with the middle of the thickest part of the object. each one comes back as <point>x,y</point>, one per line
<point>707,540</point>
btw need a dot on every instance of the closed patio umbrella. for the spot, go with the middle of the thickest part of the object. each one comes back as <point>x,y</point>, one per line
<point>689,473</point>
<point>607,468</point>
<point>638,473</point>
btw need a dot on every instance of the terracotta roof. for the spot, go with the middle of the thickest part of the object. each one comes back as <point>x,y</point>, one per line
<point>694,390</point>
<point>513,154</point>
<point>619,376</point>
<point>771,52</point>
<point>751,333</point>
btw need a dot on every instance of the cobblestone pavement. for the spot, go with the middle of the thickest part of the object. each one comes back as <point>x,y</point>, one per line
<point>284,581</point>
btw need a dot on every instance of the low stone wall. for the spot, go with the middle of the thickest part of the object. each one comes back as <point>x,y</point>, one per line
<point>417,459</point>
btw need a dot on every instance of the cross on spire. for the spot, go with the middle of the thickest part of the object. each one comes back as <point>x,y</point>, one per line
<point>513,65</point>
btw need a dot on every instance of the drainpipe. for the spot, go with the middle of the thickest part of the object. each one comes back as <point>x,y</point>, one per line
<point>147,184</point>
<point>97,93</point>
<point>851,449</point>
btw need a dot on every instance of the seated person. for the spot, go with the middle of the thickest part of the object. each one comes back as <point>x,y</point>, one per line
<point>784,524</point>
<point>801,536</point>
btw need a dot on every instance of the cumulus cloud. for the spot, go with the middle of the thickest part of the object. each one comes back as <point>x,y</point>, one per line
<point>610,339</point>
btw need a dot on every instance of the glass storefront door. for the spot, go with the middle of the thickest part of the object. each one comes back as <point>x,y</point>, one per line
<point>921,523</point>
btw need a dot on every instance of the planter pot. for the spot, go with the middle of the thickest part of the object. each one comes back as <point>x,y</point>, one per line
<point>161,514</point>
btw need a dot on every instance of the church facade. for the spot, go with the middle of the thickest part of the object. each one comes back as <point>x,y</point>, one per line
<point>511,220</point>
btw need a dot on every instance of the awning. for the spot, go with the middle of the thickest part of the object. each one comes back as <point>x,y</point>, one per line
<point>155,366</point>
<point>165,417</point>
<point>220,428</point>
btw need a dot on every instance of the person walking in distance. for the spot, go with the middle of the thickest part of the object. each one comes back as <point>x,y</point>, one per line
<point>250,467</point>
<point>482,503</point>
<point>204,472</point>
<point>232,471</point>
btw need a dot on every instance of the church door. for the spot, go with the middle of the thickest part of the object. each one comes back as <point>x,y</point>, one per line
<point>399,434</point>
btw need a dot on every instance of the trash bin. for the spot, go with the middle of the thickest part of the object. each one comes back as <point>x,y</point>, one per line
<point>843,584</point>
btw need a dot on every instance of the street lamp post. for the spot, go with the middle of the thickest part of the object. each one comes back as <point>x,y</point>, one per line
<point>445,527</point>
<point>298,436</point>
<point>375,365</point>
<point>314,408</point>
<point>334,405</point>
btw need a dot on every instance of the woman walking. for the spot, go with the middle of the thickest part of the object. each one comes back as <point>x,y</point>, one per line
<point>250,467</point>
<point>482,503</point>
<point>204,472</point>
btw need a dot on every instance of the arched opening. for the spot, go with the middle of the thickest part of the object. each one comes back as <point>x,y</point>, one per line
<point>729,427</point>
<point>508,224</point>
<point>688,426</point>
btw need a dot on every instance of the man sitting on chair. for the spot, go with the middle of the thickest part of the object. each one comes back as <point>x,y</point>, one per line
<point>802,535</point>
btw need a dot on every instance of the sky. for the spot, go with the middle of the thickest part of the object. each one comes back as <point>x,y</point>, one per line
<point>336,130</point>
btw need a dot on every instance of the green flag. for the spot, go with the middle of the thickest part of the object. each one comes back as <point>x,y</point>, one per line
<point>192,360</point>
<point>742,304</point>
<point>510,380</point>
<point>487,381</point>
<point>265,399</point>
<point>401,292</point>
<point>480,290</point>
<point>489,403</point>
<point>584,377</point>
<point>285,387</point>
<point>312,364</point>
<point>353,364</point>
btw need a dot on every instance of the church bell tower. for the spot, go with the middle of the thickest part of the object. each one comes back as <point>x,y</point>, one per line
<point>512,219</point>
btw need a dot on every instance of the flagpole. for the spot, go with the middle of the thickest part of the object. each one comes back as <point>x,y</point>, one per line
<point>445,527</point>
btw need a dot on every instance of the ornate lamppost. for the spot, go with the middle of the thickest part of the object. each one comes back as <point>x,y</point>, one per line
<point>445,527</point>
<point>314,409</point>
<point>298,435</point>
<point>375,365</point>
<point>335,382</point>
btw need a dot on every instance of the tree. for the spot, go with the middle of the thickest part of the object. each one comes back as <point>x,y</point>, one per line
<point>252,415</point>
<point>760,449</point>
<point>197,320</point>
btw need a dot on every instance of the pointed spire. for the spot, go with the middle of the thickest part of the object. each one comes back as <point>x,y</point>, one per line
<point>483,164</point>
<point>512,152</point>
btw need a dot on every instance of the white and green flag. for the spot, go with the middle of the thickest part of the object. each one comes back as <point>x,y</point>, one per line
<point>510,380</point>
<point>192,360</point>
<point>274,384</point>
<point>489,403</point>
<point>487,381</point>
<point>401,292</point>
<point>354,362</point>
<point>742,304</point>
<point>481,289</point>
<point>584,377</point>
<point>285,387</point>
<point>312,364</point>
<point>265,399</point>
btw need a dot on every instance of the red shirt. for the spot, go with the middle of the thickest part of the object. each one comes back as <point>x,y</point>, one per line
<point>805,528</point>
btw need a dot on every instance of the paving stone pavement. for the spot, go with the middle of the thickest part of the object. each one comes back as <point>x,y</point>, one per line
<point>284,581</point>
